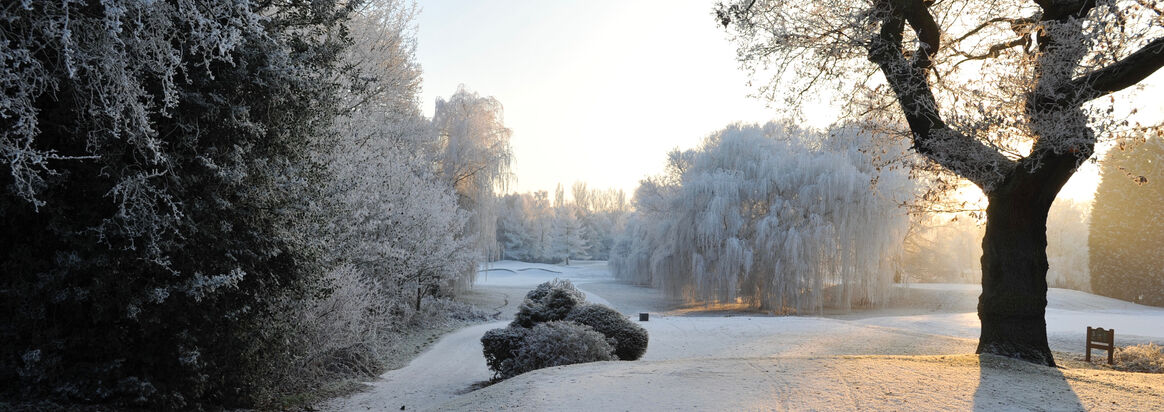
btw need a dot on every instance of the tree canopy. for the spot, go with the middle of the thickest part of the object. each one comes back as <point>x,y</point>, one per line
<point>1003,94</point>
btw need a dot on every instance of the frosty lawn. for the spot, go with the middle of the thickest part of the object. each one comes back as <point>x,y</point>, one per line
<point>918,361</point>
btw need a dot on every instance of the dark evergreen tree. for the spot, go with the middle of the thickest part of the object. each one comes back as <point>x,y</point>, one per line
<point>155,158</point>
<point>1127,225</point>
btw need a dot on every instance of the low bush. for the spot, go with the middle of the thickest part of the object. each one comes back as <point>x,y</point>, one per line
<point>1140,358</point>
<point>501,346</point>
<point>630,340</point>
<point>557,343</point>
<point>550,301</point>
<point>554,326</point>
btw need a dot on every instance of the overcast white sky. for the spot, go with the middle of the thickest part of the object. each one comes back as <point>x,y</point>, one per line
<point>599,90</point>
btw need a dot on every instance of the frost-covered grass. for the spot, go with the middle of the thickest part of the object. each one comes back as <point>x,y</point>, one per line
<point>1140,358</point>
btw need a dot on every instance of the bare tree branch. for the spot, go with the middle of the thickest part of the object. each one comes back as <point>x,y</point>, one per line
<point>964,155</point>
<point>994,50</point>
<point>1119,75</point>
<point>1015,23</point>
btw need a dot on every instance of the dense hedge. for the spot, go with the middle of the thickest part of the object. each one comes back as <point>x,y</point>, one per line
<point>157,172</point>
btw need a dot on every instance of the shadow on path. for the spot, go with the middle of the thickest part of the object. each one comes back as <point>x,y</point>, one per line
<point>1008,384</point>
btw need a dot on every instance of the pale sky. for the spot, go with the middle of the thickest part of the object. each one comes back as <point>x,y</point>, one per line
<point>595,90</point>
<point>599,90</point>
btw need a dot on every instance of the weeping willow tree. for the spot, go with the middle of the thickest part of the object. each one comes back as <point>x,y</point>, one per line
<point>474,157</point>
<point>774,217</point>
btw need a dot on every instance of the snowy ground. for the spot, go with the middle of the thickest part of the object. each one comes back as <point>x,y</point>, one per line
<point>912,356</point>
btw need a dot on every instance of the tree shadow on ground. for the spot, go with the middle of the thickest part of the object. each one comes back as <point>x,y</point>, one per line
<point>1010,384</point>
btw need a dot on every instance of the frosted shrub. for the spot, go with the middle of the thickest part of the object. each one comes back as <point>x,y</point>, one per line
<point>550,301</point>
<point>1140,358</point>
<point>559,343</point>
<point>630,340</point>
<point>443,307</point>
<point>339,332</point>
<point>555,327</point>
<point>501,346</point>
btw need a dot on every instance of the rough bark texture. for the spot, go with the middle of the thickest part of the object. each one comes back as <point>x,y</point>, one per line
<point>1013,303</point>
<point>1014,283</point>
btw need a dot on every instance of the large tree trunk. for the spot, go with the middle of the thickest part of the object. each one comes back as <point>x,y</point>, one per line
<point>1014,279</point>
<point>1013,303</point>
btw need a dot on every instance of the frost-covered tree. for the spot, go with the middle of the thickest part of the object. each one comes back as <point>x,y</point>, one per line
<point>398,221</point>
<point>525,226</point>
<point>514,234</point>
<point>569,236</point>
<point>601,214</point>
<point>541,224</point>
<point>1127,224</point>
<point>1001,94</point>
<point>779,218</point>
<point>532,228</point>
<point>474,157</point>
<point>156,156</point>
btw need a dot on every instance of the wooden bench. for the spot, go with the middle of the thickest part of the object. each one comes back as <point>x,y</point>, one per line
<point>1100,338</point>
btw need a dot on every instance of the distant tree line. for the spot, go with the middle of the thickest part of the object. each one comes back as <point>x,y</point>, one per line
<point>533,228</point>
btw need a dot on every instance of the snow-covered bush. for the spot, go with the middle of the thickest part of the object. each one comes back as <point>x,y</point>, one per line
<point>553,343</point>
<point>630,339</point>
<point>777,217</point>
<point>550,301</point>
<point>501,346</point>
<point>554,326</point>
<point>1140,358</point>
<point>341,334</point>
